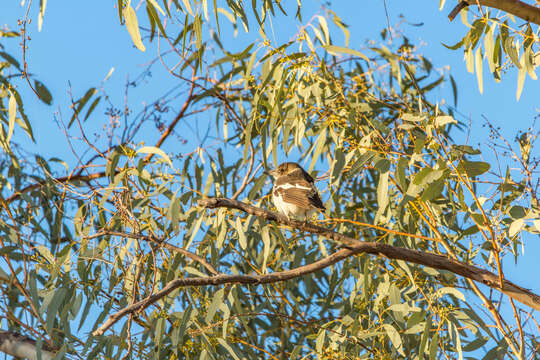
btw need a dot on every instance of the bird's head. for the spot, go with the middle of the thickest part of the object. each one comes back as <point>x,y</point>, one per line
<point>285,169</point>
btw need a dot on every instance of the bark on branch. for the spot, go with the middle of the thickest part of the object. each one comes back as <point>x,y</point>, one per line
<point>517,8</point>
<point>21,346</point>
<point>392,252</point>
<point>225,279</point>
<point>354,246</point>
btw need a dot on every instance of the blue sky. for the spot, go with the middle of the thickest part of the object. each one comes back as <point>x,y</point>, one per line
<point>82,40</point>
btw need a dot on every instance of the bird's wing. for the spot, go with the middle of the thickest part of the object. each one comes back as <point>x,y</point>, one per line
<point>316,200</point>
<point>301,194</point>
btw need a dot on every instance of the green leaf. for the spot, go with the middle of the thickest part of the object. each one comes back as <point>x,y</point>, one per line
<point>515,227</point>
<point>383,165</point>
<point>434,190</point>
<point>536,224</point>
<point>7,249</point>
<point>216,15</point>
<point>43,251</point>
<point>266,247</point>
<point>156,151</point>
<point>412,117</point>
<point>53,307</point>
<point>469,60</point>
<point>334,50</point>
<point>529,56</point>
<point>517,212</point>
<point>227,347</point>
<point>400,173</point>
<point>455,46</point>
<point>434,346</point>
<point>241,234</point>
<point>321,140</point>
<point>324,28</point>
<point>473,168</point>
<point>337,165</point>
<point>80,104</point>
<point>319,343</point>
<point>152,12</point>
<point>452,291</point>
<point>476,343</point>
<point>158,332</point>
<point>521,78</point>
<point>425,336</point>
<point>478,67</point>
<point>454,90</point>
<point>173,213</point>
<point>132,25</point>
<point>187,6</point>
<point>12,112</point>
<point>42,6</point>
<point>444,119</point>
<point>92,107</point>
<point>382,195</point>
<point>360,162</point>
<point>197,26</point>
<point>394,337</point>
<point>10,59</point>
<point>465,149</point>
<point>441,4</point>
<point>427,176</point>
<point>156,6</point>
<point>43,92</point>
<point>216,302</point>
<point>489,46</point>
<point>511,51</point>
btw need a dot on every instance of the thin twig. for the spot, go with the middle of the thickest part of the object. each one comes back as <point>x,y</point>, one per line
<point>23,35</point>
<point>353,247</point>
<point>179,116</point>
<point>436,261</point>
<point>177,249</point>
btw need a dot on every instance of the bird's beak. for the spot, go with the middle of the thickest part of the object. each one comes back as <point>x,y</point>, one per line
<point>271,172</point>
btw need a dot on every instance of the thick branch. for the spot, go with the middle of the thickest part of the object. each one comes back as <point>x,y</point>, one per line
<point>353,247</point>
<point>392,252</point>
<point>22,347</point>
<point>517,8</point>
<point>226,279</point>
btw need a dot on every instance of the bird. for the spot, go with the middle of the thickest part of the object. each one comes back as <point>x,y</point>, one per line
<point>294,192</point>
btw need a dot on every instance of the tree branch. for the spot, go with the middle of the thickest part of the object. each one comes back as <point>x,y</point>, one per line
<point>225,279</point>
<point>392,252</point>
<point>161,242</point>
<point>517,8</point>
<point>177,118</point>
<point>65,179</point>
<point>353,247</point>
<point>21,346</point>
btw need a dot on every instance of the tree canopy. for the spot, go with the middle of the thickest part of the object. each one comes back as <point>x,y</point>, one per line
<point>120,248</point>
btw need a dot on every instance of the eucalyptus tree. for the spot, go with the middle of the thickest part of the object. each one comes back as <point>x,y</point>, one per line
<point>138,252</point>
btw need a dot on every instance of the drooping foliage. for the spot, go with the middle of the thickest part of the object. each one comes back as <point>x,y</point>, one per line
<point>81,242</point>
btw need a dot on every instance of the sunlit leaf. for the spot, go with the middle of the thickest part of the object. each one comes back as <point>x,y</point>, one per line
<point>333,49</point>
<point>132,25</point>
<point>478,66</point>
<point>156,151</point>
<point>515,227</point>
<point>12,113</point>
<point>473,168</point>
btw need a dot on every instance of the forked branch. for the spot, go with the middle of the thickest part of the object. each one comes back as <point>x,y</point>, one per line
<point>517,8</point>
<point>392,252</point>
<point>353,247</point>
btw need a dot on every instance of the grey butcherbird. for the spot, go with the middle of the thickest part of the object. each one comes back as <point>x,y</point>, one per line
<point>294,192</point>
